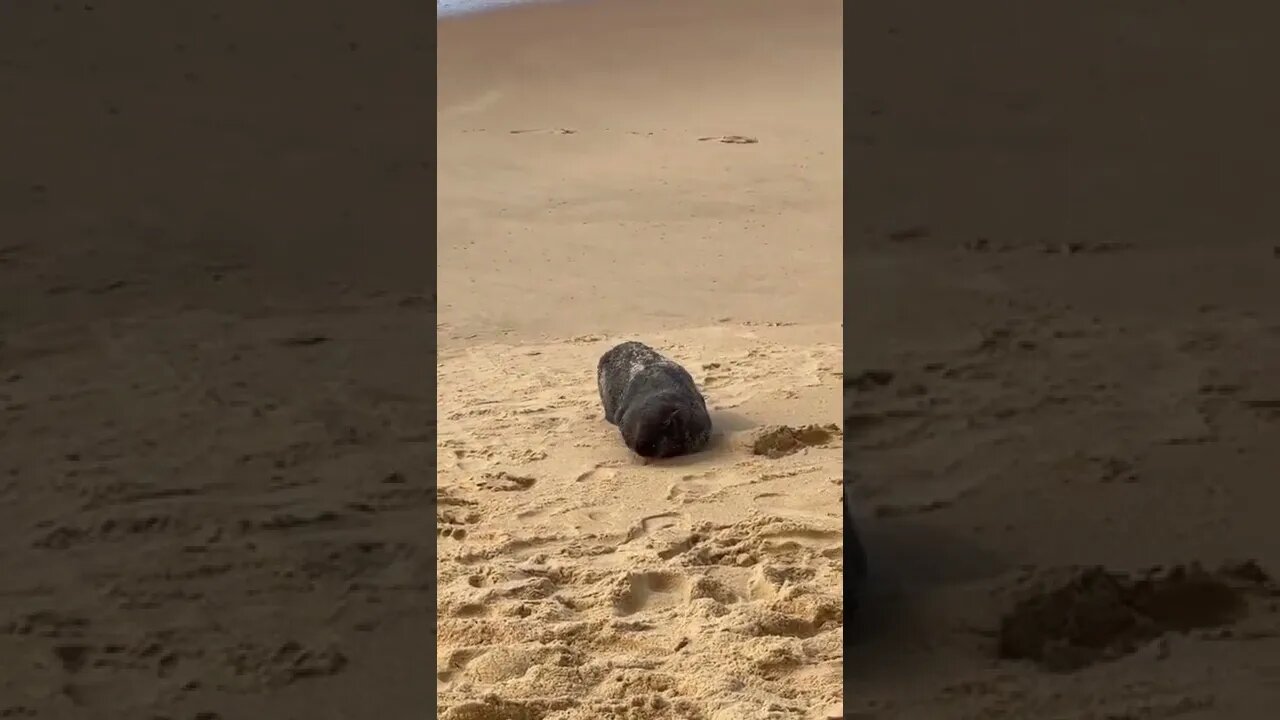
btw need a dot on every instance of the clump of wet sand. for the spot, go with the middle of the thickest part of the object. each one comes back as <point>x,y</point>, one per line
<point>782,440</point>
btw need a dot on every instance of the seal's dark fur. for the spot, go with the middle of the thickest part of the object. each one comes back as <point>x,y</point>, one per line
<point>653,401</point>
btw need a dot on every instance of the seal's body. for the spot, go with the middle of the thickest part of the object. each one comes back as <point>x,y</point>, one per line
<point>653,401</point>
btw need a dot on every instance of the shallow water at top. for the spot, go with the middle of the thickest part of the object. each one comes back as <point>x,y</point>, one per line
<point>447,8</point>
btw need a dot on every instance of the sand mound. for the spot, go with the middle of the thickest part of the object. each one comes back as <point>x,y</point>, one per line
<point>782,441</point>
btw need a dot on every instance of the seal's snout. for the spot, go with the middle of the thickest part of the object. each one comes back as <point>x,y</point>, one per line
<point>649,448</point>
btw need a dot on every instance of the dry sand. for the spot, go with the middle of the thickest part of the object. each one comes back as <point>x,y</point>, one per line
<point>1062,236</point>
<point>586,198</point>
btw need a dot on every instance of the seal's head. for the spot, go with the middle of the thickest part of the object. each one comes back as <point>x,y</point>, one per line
<point>664,426</point>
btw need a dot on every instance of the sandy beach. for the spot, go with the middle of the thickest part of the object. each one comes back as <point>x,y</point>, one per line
<point>666,172</point>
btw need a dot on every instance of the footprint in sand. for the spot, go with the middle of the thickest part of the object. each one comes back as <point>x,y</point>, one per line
<point>688,491</point>
<point>648,591</point>
<point>589,519</point>
<point>652,524</point>
<point>693,487</point>
<point>828,543</point>
<point>803,506</point>
<point>517,549</point>
<point>599,473</point>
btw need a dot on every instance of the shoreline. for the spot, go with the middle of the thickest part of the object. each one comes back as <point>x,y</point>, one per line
<point>451,9</point>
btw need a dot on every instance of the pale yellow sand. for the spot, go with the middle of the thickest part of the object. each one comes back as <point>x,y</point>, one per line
<point>581,203</point>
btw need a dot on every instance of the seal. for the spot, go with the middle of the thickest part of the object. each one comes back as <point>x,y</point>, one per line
<point>653,401</point>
